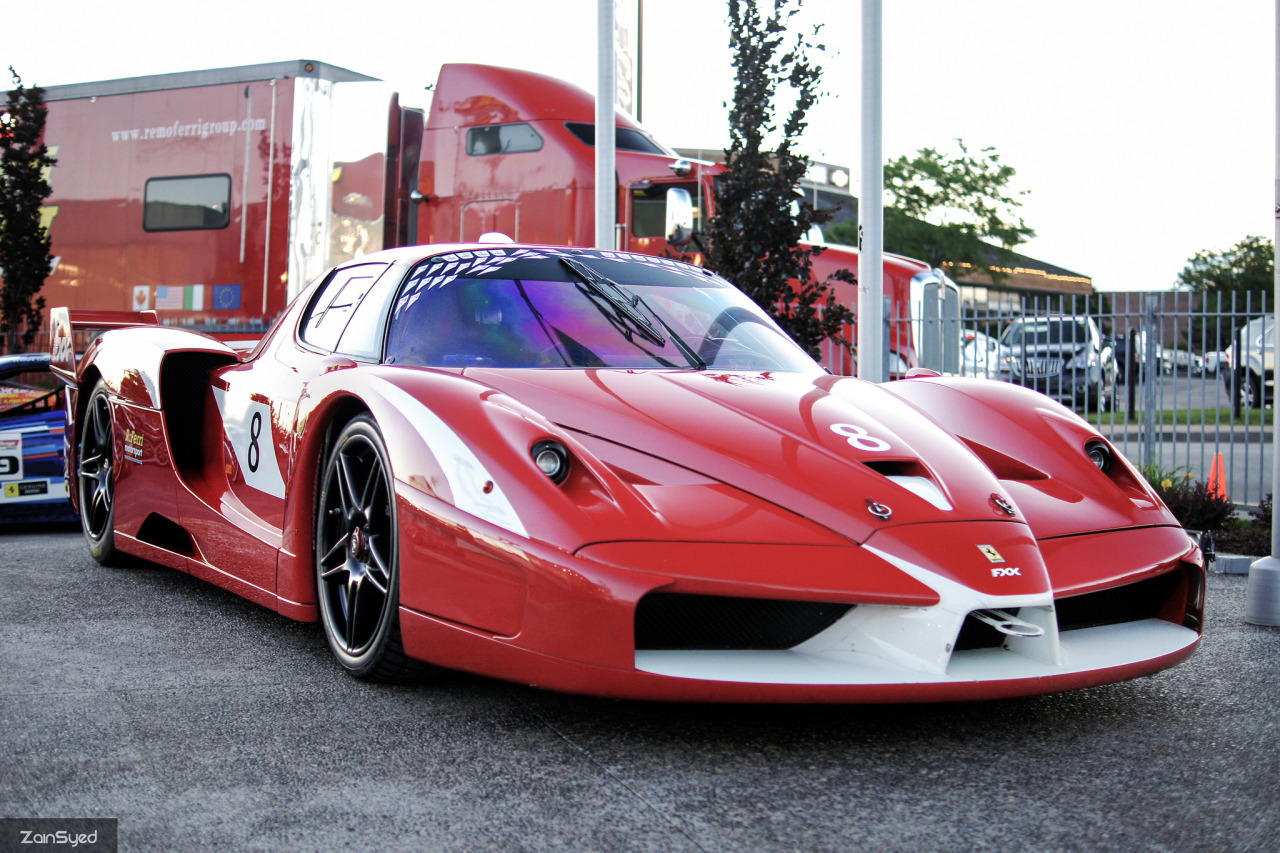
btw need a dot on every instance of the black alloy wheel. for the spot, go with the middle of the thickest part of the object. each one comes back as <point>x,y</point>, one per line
<point>95,480</point>
<point>357,557</point>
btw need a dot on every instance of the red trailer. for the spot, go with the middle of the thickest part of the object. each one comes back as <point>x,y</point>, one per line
<point>215,196</point>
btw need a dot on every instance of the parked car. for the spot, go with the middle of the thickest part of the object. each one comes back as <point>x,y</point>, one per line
<point>613,474</point>
<point>1251,359</point>
<point>1065,357</point>
<point>1163,365</point>
<point>979,355</point>
<point>1211,361</point>
<point>32,425</point>
<point>1184,360</point>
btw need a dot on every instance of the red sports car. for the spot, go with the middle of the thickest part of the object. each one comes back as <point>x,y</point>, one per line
<point>612,474</point>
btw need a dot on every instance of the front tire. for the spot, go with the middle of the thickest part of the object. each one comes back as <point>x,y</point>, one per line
<point>357,557</point>
<point>95,477</point>
<point>1250,391</point>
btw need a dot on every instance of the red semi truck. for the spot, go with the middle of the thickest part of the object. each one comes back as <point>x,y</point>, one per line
<point>215,196</point>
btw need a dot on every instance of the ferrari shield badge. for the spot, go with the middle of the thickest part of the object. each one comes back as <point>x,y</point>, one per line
<point>991,553</point>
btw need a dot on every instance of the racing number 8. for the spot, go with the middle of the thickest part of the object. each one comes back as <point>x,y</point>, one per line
<point>255,431</point>
<point>859,438</point>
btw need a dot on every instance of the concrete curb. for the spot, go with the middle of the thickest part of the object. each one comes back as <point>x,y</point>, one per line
<point>1232,564</point>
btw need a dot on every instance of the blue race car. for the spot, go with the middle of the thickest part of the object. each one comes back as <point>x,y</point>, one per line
<point>33,484</point>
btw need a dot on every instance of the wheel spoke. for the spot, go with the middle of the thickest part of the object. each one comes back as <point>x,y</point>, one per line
<point>371,488</point>
<point>102,423</point>
<point>379,568</point>
<point>353,608</point>
<point>338,548</point>
<point>346,488</point>
<point>379,584</point>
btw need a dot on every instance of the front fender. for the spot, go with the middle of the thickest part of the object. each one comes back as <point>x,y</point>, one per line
<point>1036,448</point>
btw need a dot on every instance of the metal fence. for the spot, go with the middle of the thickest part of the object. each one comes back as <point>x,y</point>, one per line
<point>1175,380</point>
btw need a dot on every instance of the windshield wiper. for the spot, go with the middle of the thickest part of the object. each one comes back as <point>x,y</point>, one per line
<point>627,307</point>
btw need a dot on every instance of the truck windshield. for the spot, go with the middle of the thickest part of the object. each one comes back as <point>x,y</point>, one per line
<point>649,207</point>
<point>588,312</point>
<point>624,138</point>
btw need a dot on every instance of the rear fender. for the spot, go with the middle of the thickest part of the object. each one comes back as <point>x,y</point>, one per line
<point>66,324</point>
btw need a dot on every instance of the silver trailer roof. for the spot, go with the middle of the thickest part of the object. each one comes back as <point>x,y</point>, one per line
<point>211,77</point>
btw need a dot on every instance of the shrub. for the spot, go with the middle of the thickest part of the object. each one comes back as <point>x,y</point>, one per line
<point>1252,538</point>
<point>1190,501</point>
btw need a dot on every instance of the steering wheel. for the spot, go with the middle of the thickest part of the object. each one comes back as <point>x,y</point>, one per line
<point>729,319</point>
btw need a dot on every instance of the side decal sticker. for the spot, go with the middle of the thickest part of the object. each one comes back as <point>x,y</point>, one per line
<point>466,474</point>
<point>247,423</point>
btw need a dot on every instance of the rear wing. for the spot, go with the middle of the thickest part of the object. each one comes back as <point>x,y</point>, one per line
<point>64,323</point>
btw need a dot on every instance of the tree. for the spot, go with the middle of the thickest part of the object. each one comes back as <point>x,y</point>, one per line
<point>951,209</point>
<point>760,218</point>
<point>1247,267</point>
<point>1238,280</point>
<point>24,242</point>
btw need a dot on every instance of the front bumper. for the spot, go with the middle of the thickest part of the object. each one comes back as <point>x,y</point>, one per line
<point>1118,623</point>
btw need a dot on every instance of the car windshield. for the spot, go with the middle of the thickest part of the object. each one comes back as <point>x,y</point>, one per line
<point>28,391</point>
<point>1045,332</point>
<point>561,309</point>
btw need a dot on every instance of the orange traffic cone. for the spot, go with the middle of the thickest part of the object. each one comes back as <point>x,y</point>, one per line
<point>1217,479</point>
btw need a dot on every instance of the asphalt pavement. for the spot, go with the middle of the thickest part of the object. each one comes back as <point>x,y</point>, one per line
<point>203,722</point>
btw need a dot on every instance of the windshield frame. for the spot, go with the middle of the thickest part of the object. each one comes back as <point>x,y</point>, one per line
<point>646,312</point>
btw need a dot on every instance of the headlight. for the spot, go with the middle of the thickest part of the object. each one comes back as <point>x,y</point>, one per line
<point>1084,358</point>
<point>1099,453</point>
<point>552,459</point>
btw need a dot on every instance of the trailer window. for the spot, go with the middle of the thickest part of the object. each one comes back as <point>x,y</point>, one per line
<point>187,203</point>
<point>502,139</point>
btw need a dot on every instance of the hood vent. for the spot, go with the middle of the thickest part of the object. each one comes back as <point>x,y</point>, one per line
<point>1004,467</point>
<point>912,476</point>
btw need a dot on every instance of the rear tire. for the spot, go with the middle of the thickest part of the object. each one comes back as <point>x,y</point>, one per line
<point>1248,392</point>
<point>95,477</point>
<point>358,559</point>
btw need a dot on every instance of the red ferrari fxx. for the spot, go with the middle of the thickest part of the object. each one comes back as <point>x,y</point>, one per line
<point>612,474</point>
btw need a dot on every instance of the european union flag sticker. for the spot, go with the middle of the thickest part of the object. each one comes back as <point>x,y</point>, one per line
<point>226,297</point>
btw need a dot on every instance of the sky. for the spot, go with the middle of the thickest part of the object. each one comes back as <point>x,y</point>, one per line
<point>1143,132</point>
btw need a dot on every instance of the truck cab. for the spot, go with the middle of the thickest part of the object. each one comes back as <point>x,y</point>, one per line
<point>512,151</point>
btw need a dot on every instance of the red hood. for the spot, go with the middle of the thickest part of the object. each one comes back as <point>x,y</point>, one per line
<point>823,447</point>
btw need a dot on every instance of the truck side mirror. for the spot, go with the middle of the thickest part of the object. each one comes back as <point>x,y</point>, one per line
<point>679,227</point>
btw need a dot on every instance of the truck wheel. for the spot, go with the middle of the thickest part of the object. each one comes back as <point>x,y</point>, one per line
<point>1248,392</point>
<point>95,477</point>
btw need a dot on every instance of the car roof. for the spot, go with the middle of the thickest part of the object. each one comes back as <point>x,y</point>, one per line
<point>413,254</point>
<point>11,365</point>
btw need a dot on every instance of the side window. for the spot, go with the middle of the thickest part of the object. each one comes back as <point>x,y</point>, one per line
<point>502,139</point>
<point>187,203</point>
<point>334,303</point>
<point>363,337</point>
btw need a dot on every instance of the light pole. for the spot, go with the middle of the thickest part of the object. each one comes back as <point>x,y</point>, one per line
<point>1262,601</point>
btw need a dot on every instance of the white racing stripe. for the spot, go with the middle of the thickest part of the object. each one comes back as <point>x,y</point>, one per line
<point>462,469</point>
